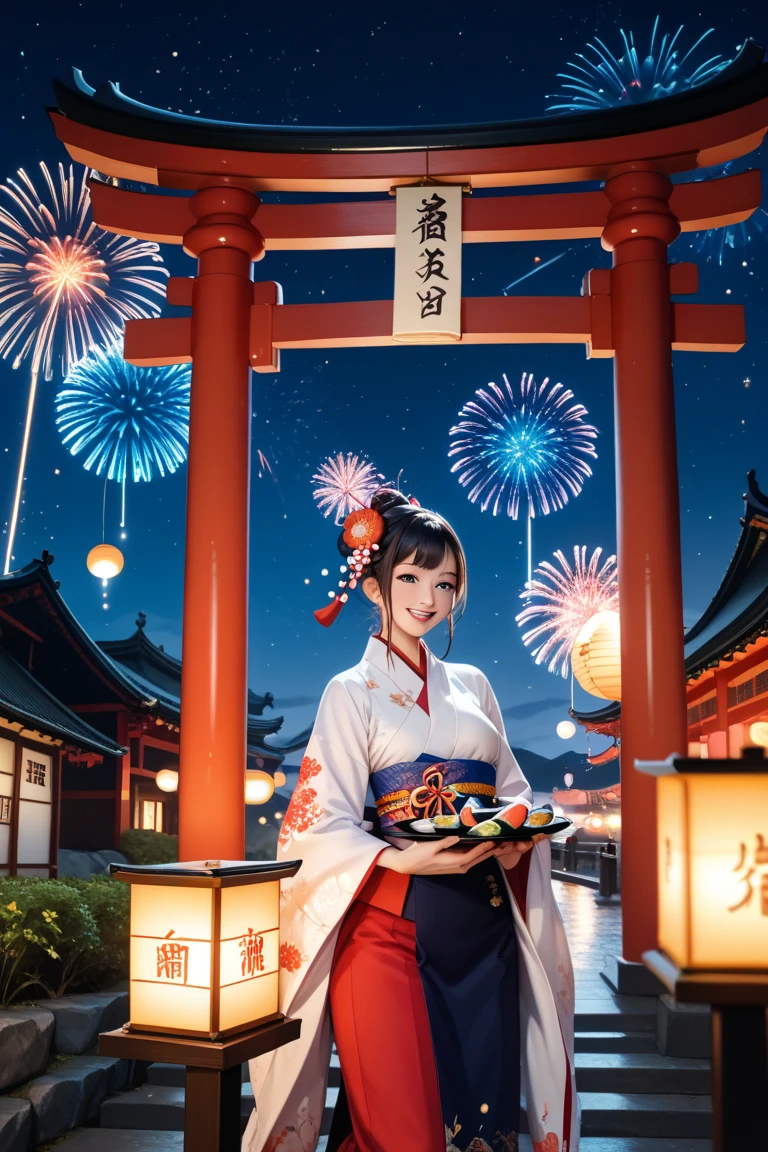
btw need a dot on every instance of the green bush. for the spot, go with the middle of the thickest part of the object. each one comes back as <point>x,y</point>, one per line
<point>53,965</point>
<point>58,936</point>
<point>142,846</point>
<point>109,902</point>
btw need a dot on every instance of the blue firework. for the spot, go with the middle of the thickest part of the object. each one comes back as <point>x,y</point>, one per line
<point>131,423</point>
<point>605,80</point>
<point>524,447</point>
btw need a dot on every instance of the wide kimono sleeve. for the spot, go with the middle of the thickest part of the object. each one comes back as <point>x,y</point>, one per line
<point>323,829</point>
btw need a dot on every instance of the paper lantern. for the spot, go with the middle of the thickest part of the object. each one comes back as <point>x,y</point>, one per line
<point>167,780</point>
<point>280,778</point>
<point>596,656</point>
<point>713,863</point>
<point>566,729</point>
<point>204,946</point>
<point>259,786</point>
<point>105,561</point>
<point>758,733</point>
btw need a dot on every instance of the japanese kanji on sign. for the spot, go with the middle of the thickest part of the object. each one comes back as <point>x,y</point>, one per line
<point>427,303</point>
<point>205,946</point>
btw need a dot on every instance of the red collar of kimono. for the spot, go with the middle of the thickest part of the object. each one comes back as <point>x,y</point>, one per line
<point>419,670</point>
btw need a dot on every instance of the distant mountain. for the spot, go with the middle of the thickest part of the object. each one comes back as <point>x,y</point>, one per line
<point>544,774</point>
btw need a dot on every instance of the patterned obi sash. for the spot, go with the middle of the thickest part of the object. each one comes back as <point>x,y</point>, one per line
<point>430,787</point>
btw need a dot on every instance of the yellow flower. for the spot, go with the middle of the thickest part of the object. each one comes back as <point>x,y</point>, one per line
<point>12,906</point>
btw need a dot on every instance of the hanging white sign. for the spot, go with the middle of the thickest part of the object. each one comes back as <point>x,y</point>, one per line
<point>427,306</point>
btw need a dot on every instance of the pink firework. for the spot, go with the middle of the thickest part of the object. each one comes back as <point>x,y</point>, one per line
<point>344,483</point>
<point>565,599</point>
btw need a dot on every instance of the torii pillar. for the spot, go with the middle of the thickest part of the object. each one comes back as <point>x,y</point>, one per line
<point>214,683</point>
<point>639,229</point>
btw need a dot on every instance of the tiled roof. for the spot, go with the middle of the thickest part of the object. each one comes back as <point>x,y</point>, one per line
<point>25,701</point>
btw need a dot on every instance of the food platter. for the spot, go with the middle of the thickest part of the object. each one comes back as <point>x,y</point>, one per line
<point>508,820</point>
<point>402,831</point>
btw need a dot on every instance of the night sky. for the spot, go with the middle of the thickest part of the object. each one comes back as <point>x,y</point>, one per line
<point>348,64</point>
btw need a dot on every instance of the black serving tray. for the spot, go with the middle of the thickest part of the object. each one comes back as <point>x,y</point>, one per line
<point>401,830</point>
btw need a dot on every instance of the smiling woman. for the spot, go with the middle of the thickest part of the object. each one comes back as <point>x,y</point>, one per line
<point>442,971</point>
<point>419,576</point>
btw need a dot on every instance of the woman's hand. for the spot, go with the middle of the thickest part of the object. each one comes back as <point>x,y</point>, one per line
<point>435,857</point>
<point>511,853</point>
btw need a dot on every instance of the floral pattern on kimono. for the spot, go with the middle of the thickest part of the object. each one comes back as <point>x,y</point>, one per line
<point>303,810</point>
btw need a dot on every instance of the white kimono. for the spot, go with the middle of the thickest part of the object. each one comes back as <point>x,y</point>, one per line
<point>369,719</point>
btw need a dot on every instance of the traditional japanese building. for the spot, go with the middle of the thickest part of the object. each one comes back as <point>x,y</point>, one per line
<point>726,651</point>
<point>113,706</point>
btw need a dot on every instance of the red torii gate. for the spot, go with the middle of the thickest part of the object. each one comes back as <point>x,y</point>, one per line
<point>234,323</point>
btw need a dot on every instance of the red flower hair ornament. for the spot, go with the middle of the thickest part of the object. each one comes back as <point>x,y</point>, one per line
<point>363,529</point>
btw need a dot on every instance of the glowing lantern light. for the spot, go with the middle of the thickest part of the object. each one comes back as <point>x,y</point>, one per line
<point>259,786</point>
<point>105,561</point>
<point>566,729</point>
<point>712,852</point>
<point>167,780</point>
<point>205,945</point>
<point>758,733</point>
<point>596,656</point>
<point>568,779</point>
<point>280,778</point>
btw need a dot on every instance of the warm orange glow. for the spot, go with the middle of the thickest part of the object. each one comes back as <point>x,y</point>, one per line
<point>259,786</point>
<point>713,870</point>
<point>176,933</point>
<point>596,656</point>
<point>105,561</point>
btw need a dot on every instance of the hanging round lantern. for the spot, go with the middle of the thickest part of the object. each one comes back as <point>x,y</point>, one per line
<point>758,733</point>
<point>167,780</point>
<point>259,786</point>
<point>596,656</point>
<point>280,778</point>
<point>105,561</point>
<point>566,729</point>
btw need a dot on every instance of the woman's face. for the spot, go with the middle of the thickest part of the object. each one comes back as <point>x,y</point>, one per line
<point>421,597</point>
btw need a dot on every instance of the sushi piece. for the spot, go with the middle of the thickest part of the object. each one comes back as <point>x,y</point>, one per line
<point>442,823</point>
<point>468,814</point>
<point>487,828</point>
<point>538,817</point>
<point>422,826</point>
<point>514,814</point>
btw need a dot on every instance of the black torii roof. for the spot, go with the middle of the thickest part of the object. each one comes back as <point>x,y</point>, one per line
<point>25,701</point>
<point>41,633</point>
<point>738,612</point>
<point>107,108</point>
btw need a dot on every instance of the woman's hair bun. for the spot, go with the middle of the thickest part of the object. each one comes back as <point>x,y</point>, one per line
<point>385,500</point>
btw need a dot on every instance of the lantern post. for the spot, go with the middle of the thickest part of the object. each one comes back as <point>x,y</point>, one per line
<point>712,853</point>
<point>203,982</point>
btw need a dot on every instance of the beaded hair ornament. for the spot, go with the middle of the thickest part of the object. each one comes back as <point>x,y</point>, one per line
<point>363,529</point>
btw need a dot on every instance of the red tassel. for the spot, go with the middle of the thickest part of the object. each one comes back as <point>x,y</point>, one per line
<point>329,613</point>
<point>414,501</point>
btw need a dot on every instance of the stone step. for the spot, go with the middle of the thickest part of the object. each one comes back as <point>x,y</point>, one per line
<point>614,1114</point>
<point>174,1075</point>
<point>615,1042</point>
<point>70,1093</point>
<point>97,1140</point>
<point>157,1107</point>
<point>631,1072</point>
<point>622,1013</point>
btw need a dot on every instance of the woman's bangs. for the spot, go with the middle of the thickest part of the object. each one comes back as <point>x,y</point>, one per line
<point>428,540</point>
